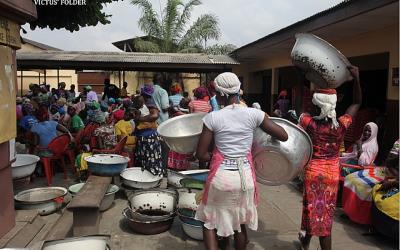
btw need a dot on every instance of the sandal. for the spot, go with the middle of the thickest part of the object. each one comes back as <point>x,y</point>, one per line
<point>301,237</point>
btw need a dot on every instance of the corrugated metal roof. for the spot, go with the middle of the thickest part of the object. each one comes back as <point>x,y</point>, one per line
<point>126,57</point>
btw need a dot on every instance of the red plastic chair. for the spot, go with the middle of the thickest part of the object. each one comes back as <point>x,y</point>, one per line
<point>58,146</point>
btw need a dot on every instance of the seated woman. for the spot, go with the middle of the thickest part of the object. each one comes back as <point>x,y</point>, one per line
<point>125,128</point>
<point>45,131</point>
<point>75,123</point>
<point>357,195</point>
<point>385,197</point>
<point>367,149</point>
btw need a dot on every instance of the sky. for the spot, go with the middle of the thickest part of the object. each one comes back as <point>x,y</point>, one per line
<point>240,22</point>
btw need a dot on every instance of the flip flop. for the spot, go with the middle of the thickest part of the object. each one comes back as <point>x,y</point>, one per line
<point>301,238</point>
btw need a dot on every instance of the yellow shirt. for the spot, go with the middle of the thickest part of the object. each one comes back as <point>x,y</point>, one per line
<point>124,128</point>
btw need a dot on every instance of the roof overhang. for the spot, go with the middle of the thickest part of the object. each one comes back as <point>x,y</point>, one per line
<point>20,11</point>
<point>350,18</point>
<point>119,61</point>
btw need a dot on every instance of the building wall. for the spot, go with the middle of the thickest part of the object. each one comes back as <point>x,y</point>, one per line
<point>32,76</point>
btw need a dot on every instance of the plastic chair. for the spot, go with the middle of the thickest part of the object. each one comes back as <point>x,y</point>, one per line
<point>57,147</point>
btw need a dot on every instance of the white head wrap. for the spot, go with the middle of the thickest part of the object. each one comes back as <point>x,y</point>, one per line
<point>227,84</point>
<point>327,103</point>
<point>369,147</point>
<point>256,105</point>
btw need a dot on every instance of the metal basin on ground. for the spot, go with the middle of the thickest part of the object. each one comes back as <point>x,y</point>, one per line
<point>187,198</point>
<point>145,226</point>
<point>107,200</point>
<point>279,162</point>
<point>24,165</point>
<point>182,133</point>
<point>106,164</point>
<point>154,199</point>
<point>141,179</point>
<point>95,242</point>
<point>193,231</point>
<point>46,200</point>
<point>322,63</point>
<point>174,177</point>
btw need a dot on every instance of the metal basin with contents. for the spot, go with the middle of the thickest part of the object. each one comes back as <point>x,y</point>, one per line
<point>106,164</point>
<point>182,133</point>
<point>279,162</point>
<point>149,227</point>
<point>24,165</point>
<point>46,200</point>
<point>107,200</point>
<point>322,63</point>
<point>141,179</point>
<point>154,199</point>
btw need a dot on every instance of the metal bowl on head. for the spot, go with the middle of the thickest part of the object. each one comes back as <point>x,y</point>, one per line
<point>24,165</point>
<point>279,162</point>
<point>322,63</point>
<point>106,164</point>
<point>182,133</point>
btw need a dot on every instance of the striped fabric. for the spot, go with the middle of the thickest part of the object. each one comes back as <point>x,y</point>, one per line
<point>361,182</point>
<point>200,106</point>
<point>357,193</point>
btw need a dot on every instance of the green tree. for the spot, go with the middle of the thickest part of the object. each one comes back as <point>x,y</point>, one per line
<point>166,30</point>
<point>220,49</point>
<point>71,17</point>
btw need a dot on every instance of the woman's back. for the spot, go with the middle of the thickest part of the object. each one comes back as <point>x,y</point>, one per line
<point>233,128</point>
<point>326,140</point>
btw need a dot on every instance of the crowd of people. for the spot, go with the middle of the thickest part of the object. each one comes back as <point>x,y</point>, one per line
<point>229,201</point>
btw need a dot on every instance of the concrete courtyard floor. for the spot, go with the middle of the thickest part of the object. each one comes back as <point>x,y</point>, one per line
<point>279,222</point>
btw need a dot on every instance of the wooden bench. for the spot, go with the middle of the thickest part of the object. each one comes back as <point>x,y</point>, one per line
<point>85,206</point>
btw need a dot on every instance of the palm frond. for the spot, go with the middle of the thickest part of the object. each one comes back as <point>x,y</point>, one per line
<point>171,15</point>
<point>220,49</point>
<point>185,15</point>
<point>148,22</point>
<point>203,29</point>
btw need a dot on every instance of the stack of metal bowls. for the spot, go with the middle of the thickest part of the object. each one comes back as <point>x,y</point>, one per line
<point>187,207</point>
<point>151,211</point>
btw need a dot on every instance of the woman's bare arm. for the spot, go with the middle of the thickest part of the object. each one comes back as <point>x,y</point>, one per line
<point>205,141</point>
<point>273,129</point>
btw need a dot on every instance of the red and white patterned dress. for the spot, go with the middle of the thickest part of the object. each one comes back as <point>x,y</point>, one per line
<point>321,176</point>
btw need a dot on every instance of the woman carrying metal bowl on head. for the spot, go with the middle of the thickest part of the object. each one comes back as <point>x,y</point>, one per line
<point>230,196</point>
<point>321,176</point>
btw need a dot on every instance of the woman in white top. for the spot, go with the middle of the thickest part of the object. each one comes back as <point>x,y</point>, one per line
<point>230,195</point>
